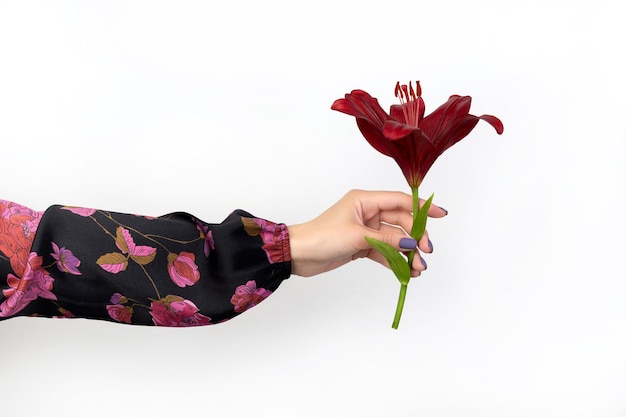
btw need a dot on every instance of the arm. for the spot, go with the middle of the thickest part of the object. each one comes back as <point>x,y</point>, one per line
<point>176,270</point>
<point>173,270</point>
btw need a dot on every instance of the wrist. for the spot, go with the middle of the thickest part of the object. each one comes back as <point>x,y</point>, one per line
<point>301,247</point>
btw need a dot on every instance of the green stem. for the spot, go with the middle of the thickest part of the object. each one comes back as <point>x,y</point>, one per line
<point>400,306</point>
<point>414,235</point>
<point>416,207</point>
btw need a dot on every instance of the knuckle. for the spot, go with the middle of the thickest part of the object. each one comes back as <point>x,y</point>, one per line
<point>388,238</point>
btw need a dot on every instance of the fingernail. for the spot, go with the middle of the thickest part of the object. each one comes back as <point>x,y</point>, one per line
<point>430,245</point>
<point>408,243</point>
<point>424,263</point>
<point>444,210</point>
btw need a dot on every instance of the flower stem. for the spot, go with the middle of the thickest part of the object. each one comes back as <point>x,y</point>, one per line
<point>416,202</point>
<point>400,306</point>
<point>415,234</point>
<point>416,207</point>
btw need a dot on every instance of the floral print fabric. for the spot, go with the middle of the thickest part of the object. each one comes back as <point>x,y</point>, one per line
<point>174,270</point>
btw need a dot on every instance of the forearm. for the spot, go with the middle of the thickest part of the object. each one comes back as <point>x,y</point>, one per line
<point>173,270</point>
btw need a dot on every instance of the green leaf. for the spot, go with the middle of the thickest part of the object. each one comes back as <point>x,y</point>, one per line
<point>397,262</point>
<point>419,221</point>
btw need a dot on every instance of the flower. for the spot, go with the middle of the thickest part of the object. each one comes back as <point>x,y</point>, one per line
<point>36,282</point>
<point>120,313</point>
<point>183,269</point>
<point>412,140</point>
<point>175,311</point>
<point>17,231</point>
<point>66,261</point>
<point>247,296</point>
<point>207,235</point>
<point>118,298</point>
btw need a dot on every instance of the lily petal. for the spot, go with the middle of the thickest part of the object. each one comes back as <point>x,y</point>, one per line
<point>439,120</point>
<point>393,130</point>
<point>493,121</point>
<point>413,140</point>
<point>374,136</point>
<point>456,131</point>
<point>361,105</point>
<point>370,117</point>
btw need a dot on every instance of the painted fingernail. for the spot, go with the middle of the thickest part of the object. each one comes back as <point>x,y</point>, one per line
<point>424,263</point>
<point>408,243</point>
<point>444,210</point>
<point>430,245</point>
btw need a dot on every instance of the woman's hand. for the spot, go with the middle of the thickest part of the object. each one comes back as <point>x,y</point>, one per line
<point>337,236</point>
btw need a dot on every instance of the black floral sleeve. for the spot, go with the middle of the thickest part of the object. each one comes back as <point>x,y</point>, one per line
<point>174,270</point>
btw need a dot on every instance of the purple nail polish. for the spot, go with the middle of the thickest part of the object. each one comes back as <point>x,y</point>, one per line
<point>408,243</point>
<point>424,263</point>
<point>444,210</point>
<point>430,245</point>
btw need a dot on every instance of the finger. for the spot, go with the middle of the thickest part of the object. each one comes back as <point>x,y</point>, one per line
<point>436,211</point>
<point>374,202</point>
<point>393,236</point>
<point>424,244</point>
<point>418,266</point>
<point>403,219</point>
<point>415,273</point>
<point>419,263</point>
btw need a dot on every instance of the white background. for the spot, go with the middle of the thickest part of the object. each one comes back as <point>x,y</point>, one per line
<point>151,107</point>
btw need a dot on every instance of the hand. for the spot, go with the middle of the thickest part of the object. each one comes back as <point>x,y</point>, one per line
<point>337,236</point>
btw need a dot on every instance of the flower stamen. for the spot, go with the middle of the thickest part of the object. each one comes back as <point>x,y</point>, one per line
<point>408,97</point>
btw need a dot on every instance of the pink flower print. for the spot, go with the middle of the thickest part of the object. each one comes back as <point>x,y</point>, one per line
<point>174,311</point>
<point>118,298</point>
<point>81,211</point>
<point>120,313</point>
<point>274,237</point>
<point>209,243</point>
<point>247,296</point>
<point>18,225</point>
<point>183,269</point>
<point>66,261</point>
<point>36,282</point>
<point>207,235</point>
<point>9,209</point>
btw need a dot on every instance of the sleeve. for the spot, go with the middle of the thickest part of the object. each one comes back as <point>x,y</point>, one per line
<point>174,270</point>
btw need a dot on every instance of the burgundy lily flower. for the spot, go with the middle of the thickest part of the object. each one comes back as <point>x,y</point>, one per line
<point>412,140</point>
